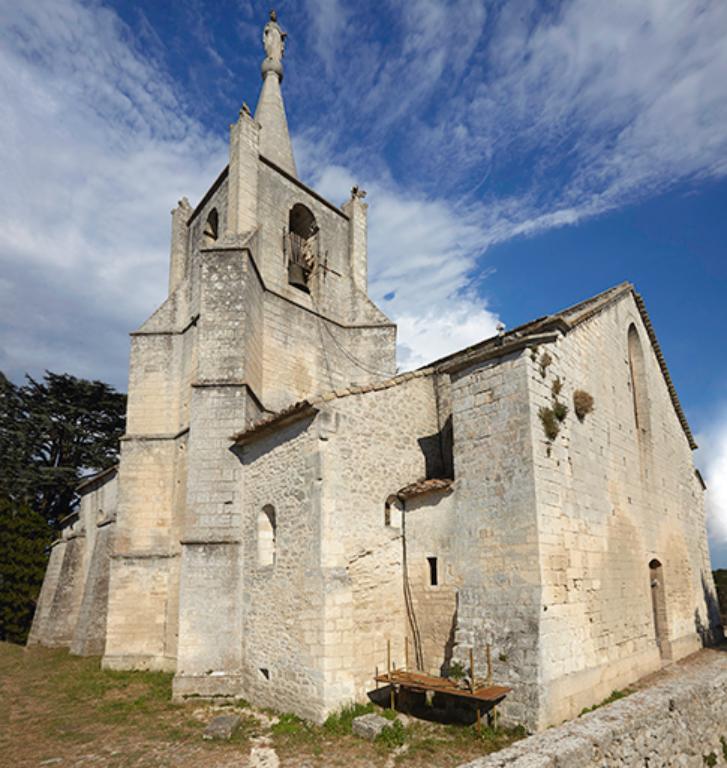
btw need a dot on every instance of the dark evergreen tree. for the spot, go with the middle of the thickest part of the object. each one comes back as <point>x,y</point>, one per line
<point>24,537</point>
<point>52,433</point>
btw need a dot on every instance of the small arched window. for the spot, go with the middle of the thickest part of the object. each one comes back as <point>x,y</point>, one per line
<point>301,246</point>
<point>211,226</point>
<point>639,394</point>
<point>266,534</point>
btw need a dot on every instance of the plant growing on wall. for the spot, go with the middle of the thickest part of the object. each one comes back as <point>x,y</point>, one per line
<point>545,361</point>
<point>560,410</point>
<point>551,425</point>
<point>582,404</point>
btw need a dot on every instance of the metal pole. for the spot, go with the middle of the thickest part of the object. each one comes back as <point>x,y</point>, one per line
<point>472,670</point>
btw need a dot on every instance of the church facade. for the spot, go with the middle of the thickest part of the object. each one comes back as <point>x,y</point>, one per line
<point>287,510</point>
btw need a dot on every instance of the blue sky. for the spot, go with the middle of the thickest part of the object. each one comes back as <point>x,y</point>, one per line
<point>519,156</point>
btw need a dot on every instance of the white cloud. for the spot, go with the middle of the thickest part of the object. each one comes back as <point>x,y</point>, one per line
<point>329,19</point>
<point>601,102</point>
<point>422,253</point>
<point>94,150</point>
<point>616,101</point>
<point>713,452</point>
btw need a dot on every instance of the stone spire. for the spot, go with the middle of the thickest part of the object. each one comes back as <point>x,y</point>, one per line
<point>270,113</point>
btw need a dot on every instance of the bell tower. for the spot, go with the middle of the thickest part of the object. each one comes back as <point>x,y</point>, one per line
<point>267,306</point>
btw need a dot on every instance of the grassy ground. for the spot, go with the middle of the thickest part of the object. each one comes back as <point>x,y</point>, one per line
<point>60,710</point>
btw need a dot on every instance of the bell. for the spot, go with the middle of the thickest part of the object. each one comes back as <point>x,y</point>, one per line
<point>297,276</point>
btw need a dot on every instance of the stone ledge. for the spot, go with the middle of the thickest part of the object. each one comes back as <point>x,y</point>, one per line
<point>675,722</point>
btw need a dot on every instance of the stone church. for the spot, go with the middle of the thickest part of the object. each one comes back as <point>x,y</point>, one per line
<point>287,508</point>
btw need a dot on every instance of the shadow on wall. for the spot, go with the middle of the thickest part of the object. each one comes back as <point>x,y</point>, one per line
<point>449,645</point>
<point>438,452</point>
<point>712,632</point>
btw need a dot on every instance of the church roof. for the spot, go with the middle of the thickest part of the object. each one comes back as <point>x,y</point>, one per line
<point>540,331</point>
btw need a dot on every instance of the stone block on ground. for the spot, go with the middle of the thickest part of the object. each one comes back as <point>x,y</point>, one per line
<point>221,727</point>
<point>369,726</point>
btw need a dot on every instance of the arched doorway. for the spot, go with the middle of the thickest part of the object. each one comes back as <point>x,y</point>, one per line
<point>658,607</point>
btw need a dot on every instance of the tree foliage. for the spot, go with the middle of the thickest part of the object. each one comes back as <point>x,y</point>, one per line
<point>24,536</point>
<point>52,433</point>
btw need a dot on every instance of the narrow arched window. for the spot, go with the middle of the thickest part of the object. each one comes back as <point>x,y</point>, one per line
<point>266,534</point>
<point>301,246</point>
<point>211,226</point>
<point>639,394</point>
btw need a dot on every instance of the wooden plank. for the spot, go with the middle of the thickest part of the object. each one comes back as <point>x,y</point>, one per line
<point>421,682</point>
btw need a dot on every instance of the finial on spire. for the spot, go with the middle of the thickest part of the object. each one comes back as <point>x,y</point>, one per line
<point>274,45</point>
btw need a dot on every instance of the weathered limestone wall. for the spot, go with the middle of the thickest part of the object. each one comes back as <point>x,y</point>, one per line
<point>221,402</point>
<point>39,631</point>
<point>496,545</point>
<point>681,721</point>
<point>317,619</point>
<point>430,531</point>
<point>277,194</point>
<point>98,510</point>
<point>89,636</point>
<point>380,445</point>
<point>61,615</point>
<point>610,499</point>
<point>333,336</point>
<point>66,602</point>
<point>282,639</point>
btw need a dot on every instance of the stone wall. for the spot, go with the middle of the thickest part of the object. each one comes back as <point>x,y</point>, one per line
<point>317,620</point>
<point>679,722</point>
<point>98,509</point>
<point>71,609</point>
<point>282,642</point>
<point>384,440</point>
<point>430,533</point>
<point>40,629</point>
<point>611,498</point>
<point>497,540</point>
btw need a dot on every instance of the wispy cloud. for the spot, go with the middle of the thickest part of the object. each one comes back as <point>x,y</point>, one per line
<point>469,123</point>
<point>94,139</point>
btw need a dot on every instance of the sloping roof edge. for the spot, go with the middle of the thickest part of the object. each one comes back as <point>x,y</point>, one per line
<point>664,370</point>
<point>302,408</point>
<point>98,476</point>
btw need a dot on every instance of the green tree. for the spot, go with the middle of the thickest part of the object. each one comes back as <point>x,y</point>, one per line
<point>52,433</point>
<point>24,537</point>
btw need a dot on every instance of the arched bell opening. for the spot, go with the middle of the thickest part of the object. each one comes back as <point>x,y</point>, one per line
<point>211,227</point>
<point>302,246</point>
